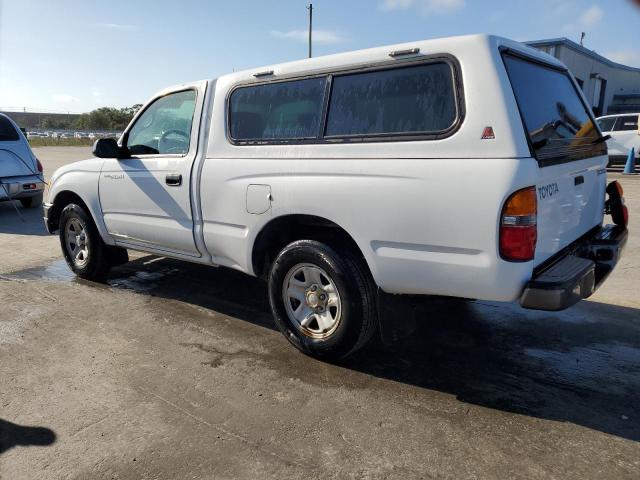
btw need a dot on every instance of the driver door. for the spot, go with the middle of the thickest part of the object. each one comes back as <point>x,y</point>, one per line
<point>145,198</point>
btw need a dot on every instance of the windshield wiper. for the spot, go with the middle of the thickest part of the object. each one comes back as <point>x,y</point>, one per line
<point>604,138</point>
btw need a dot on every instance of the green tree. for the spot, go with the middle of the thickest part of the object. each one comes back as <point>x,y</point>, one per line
<point>106,118</point>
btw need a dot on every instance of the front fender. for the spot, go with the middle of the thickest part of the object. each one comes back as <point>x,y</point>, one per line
<point>83,184</point>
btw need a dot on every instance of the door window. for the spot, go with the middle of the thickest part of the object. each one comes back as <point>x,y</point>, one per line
<point>165,126</point>
<point>628,122</point>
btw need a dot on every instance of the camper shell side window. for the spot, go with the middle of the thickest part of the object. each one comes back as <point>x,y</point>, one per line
<point>408,100</point>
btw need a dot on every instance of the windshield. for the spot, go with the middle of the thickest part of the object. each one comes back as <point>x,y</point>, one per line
<point>558,123</point>
<point>606,123</point>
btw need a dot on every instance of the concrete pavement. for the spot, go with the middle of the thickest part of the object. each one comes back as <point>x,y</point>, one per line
<point>172,370</point>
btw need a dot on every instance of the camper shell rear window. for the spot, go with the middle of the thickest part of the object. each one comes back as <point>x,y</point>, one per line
<point>7,131</point>
<point>559,125</point>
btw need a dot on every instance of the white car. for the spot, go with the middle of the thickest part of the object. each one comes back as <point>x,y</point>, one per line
<point>468,167</point>
<point>625,135</point>
<point>21,176</point>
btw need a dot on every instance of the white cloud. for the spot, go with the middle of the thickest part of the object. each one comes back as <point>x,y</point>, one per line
<point>591,16</point>
<point>319,36</point>
<point>396,4</point>
<point>588,19</point>
<point>626,57</point>
<point>64,98</point>
<point>426,6</point>
<point>117,26</point>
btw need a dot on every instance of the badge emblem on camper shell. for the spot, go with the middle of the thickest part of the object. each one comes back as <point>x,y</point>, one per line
<point>487,134</point>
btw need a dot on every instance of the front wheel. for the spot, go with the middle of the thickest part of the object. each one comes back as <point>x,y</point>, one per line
<point>324,303</point>
<point>83,249</point>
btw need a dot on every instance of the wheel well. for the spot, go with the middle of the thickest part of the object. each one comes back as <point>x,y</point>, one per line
<point>281,231</point>
<point>63,199</point>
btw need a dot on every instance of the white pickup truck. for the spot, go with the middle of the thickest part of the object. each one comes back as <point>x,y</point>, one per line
<point>465,167</point>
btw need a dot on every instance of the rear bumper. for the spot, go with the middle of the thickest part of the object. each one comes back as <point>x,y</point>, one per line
<point>578,273</point>
<point>15,188</point>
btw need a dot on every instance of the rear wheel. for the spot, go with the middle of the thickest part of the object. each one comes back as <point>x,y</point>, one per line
<point>32,202</point>
<point>323,302</point>
<point>83,249</point>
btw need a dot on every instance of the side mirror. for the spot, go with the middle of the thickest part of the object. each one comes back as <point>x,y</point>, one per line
<point>107,148</point>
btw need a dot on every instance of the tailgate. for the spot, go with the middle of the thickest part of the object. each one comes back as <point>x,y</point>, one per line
<point>570,203</point>
<point>16,160</point>
<point>570,151</point>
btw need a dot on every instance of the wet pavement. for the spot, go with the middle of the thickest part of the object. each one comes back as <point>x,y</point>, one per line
<point>174,370</point>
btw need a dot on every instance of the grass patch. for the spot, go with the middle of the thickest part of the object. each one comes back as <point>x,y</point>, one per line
<point>60,142</point>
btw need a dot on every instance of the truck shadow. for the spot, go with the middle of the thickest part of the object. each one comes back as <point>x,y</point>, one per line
<point>13,435</point>
<point>581,365</point>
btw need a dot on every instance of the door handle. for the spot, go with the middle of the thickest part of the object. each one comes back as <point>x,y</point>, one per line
<point>579,180</point>
<point>174,179</point>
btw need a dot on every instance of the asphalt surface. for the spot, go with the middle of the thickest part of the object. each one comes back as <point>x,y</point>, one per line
<point>171,370</point>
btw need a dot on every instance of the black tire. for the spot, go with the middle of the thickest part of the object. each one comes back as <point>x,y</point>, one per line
<point>357,297</point>
<point>117,256</point>
<point>96,263</point>
<point>32,202</point>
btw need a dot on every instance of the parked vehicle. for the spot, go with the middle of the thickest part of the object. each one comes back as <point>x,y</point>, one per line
<point>468,167</point>
<point>21,176</point>
<point>625,135</point>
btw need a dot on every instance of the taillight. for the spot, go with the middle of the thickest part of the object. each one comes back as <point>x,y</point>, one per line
<point>625,215</point>
<point>518,226</point>
<point>618,186</point>
<point>615,204</point>
<point>40,168</point>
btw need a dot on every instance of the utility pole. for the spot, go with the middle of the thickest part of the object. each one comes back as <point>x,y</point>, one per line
<point>310,8</point>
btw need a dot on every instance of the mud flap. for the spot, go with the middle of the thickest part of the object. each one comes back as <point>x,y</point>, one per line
<point>397,316</point>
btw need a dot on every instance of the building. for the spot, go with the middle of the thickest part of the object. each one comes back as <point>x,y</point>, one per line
<point>610,87</point>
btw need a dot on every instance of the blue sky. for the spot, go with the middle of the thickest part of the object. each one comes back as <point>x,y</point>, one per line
<point>76,55</point>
